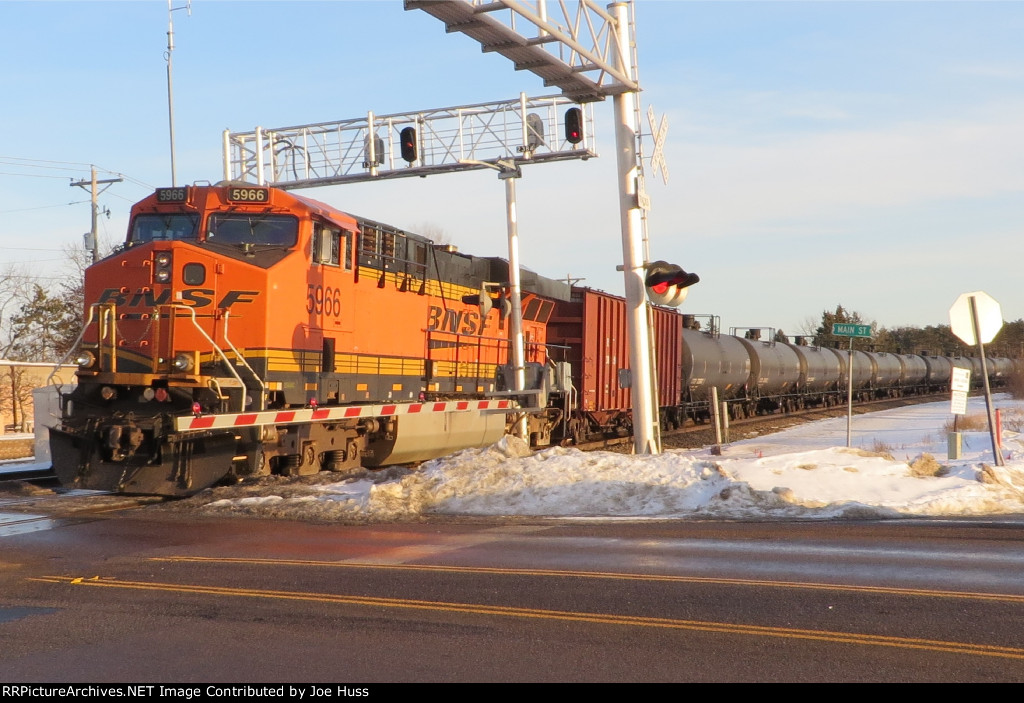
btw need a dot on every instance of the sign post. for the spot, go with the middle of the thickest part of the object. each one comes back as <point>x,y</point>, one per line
<point>844,329</point>
<point>976,319</point>
<point>960,385</point>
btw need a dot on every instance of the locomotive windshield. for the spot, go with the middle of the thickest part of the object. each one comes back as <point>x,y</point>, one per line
<point>253,230</point>
<point>159,227</point>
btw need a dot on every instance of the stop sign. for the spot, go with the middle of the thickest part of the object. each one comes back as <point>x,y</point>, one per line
<point>990,317</point>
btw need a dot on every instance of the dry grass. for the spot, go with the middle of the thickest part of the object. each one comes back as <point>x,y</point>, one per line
<point>925,466</point>
<point>1012,420</point>
<point>882,449</point>
<point>968,423</point>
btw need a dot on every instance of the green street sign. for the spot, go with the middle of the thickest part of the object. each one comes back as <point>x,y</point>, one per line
<point>842,329</point>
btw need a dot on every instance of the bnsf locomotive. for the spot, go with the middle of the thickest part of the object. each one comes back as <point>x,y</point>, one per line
<point>245,330</point>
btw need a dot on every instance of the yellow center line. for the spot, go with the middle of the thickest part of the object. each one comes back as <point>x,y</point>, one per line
<point>559,615</point>
<point>614,575</point>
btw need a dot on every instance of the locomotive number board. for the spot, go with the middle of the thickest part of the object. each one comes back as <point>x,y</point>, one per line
<point>172,195</point>
<point>248,194</point>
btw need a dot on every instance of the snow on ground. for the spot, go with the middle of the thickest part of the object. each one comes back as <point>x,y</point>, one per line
<point>897,467</point>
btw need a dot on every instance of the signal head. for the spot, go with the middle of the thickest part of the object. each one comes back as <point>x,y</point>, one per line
<point>574,125</point>
<point>407,139</point>
<point>668,284</point>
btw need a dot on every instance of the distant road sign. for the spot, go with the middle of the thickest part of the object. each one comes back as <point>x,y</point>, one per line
<point>961,380</point>
<point>990,317</point>
<point>842,329</point>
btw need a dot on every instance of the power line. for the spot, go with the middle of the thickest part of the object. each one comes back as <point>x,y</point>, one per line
<point>43,207</point>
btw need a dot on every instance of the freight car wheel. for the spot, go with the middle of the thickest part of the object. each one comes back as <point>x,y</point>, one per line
<point>578,430</point>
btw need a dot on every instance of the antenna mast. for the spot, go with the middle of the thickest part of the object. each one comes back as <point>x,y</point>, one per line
<point>170,89</point>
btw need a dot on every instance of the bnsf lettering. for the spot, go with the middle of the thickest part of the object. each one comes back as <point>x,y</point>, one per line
<point>237,296</point>
<point>194,297</point>
<point>147,299</point>
<point>454,321</point>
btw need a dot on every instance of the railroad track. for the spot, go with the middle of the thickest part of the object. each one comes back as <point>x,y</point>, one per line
<point>694,436</point>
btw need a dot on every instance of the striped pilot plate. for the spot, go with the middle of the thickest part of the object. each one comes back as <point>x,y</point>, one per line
<point>333,413</point>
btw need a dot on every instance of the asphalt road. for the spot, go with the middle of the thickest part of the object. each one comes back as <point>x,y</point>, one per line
<point>152,596</point>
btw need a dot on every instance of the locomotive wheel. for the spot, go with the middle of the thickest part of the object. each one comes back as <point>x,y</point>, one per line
<point>256,463</point>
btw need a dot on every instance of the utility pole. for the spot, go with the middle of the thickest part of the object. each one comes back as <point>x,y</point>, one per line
<point>170,89</point>
<point>95,191</point>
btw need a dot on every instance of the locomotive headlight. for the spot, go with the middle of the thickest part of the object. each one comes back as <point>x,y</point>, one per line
<point>85,359</point>
<point>182,362</point>
<point>162,267</point>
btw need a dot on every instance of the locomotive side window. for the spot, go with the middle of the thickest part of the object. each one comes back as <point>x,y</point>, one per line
<point>252,230</point>
<point>161,227</point>
<point>326,245</point>
<point>346,239</point>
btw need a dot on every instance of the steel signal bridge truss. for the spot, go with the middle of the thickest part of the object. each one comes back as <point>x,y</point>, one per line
<point>571,46</point>
<point>377,147</point>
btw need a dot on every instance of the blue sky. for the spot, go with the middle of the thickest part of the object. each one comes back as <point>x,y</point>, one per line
<point>869,154</point>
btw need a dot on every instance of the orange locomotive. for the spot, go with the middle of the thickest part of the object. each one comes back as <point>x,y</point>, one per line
<point>245,330</point>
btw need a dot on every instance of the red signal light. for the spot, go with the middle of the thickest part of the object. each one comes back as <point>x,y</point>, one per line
<point>574,125</point>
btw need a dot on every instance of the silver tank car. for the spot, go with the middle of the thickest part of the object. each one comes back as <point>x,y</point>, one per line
<point>888,371</point>
<point>711,360</point>
<point>821,371</point>
<point>915,371</point>
<point>775,368</point>
<point>939,370</point>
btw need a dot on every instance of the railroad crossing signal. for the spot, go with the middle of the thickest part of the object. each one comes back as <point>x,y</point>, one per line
<point>658,162</point>
<point>668,284</point>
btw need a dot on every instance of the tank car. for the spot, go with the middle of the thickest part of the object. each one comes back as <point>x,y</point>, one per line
<point>775,374</point>
<point>244,330</point>
<point>821,373</point>
<point>712,360</point>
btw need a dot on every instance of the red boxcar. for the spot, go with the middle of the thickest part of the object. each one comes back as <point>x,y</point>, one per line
<point>592,329</point>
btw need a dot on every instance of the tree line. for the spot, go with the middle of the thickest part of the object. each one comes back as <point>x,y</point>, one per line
<point>932,339</point>
<point>38,324</point>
